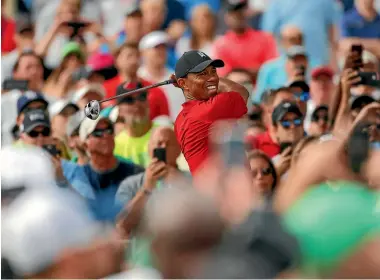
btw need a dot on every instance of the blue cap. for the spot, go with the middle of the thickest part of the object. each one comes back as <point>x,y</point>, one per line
<point>27,98</point>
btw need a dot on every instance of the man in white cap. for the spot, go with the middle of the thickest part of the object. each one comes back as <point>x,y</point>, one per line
<point>87,93</point>
<point>154,48</point>
<point>59,112</point>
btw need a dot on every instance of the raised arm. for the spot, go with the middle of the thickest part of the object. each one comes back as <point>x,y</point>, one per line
<point>226,85</point>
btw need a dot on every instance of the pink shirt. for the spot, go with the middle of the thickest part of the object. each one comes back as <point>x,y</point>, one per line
<point>249,50</point>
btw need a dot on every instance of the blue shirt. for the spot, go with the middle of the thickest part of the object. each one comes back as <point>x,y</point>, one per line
<point>176,11</point>
<point>191,4</point>
<point>271,75</point>
<point>313,18</point>
<point>99,189</point>
<point>354,25</point>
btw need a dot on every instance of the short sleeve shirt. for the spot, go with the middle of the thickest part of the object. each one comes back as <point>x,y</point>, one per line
<point>192,126</point>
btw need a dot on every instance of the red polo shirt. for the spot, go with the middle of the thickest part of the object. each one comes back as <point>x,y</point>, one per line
<point>192,126</point>
<point>265,143</point>
<point>158,103</point>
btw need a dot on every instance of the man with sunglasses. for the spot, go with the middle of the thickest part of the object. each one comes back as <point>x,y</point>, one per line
<point>98,180</point>
<point>287,121</point>
<point>319,124</point>
<point>132,142</point>
<point>208,99</point>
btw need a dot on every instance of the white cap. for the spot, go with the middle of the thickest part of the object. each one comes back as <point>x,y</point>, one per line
<point>153,39</point>
<point>114,114</point>
<point>26,167</point>
<point>57,107</point>
<point>88,126</point>
<point>369,57</point>
<point>98,88</point>
<point>74,122</point>
<point>38,226</point>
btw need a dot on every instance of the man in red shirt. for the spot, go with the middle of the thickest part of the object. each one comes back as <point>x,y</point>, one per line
<point>208,99</point>
<point>127,61</point>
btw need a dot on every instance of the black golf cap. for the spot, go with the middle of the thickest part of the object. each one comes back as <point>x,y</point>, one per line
<point>360,101</point>
<point>235,5</point>
<point>283,108</point>
<point>195,62</point>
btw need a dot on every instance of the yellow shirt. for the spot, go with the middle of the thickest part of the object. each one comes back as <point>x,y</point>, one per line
<point>133,148</point>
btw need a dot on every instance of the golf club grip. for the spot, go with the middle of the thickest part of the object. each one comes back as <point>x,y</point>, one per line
<point>167,82</point>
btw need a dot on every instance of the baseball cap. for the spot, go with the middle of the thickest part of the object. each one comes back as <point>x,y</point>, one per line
<point>74,122</point>
<point>360,101</point>
<point>98,88</point>
<point>323,70</point>
<point>27,98</point>
<point>154,39</point>
<point>300,84</point>
<point>57,107</point>
<point>126,87</point>
<point>38,226</point>
<point>72,48</point>
<point>34,118</point>
<point>88,126</point>
<point>296,51</point>
<point>195,62</point>
<point>234,5</point>
<point>283,108</point>
<point>132,10</point>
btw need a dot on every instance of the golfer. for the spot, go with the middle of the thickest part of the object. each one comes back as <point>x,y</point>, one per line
<point>208,99</point>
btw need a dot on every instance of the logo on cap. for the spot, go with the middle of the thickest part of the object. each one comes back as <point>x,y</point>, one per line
<point>202,54</point>
<point>34,117</point>
<point>286,105</point>
<point>30,95</point>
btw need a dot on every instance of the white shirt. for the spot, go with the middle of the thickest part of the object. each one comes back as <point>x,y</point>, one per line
<point>183,45</point>
<point>8,115</point>
<point>174,95</point>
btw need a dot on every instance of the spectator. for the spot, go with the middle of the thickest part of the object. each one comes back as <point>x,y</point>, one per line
<point>361,25</point>
<point>244,77</point>
<point>8,30</point>
<point>287,120</point>
<point>243,47</point>
<point>24,34</point>
<point>99,180</point>
<point>203,31</point>
<point>320,32</point>
<point>87,93</point>
<point>127,60</point>
<point>319,121</point>
<point>154,52</point>
<point>132,142</point>
<point>273,74</point>
<point>264,177</point>
<point>60,112</point>
<point>78,151</point>
<point>190,5</point>
<point>26,102</point>
<point>132,26</point>
<point>208,99</point>
<point>35,130</point>
<point>60,82</point>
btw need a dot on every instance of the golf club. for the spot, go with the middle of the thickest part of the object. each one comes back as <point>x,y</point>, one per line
<point>92,109</point>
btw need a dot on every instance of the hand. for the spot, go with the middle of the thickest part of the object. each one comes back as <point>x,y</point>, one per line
<point>173,77</point>
<point>366,111</point>
<point>155,171</point>
<point>283,164</point>
<point>58,168</point>
<point>350,77</point>
<point>60,26</point>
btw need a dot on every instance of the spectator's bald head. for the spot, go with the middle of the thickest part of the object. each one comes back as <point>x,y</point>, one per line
<point>164,137</point>
<point>291,35</point>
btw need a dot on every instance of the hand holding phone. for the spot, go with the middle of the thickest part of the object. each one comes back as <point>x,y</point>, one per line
<point>52,150</point>
<point>357,50</point>
<point>160,154</point>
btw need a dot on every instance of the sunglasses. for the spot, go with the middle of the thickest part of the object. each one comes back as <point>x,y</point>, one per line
<point>317,118</point>
<point>303,96</point>
<point>142,97</point>
<point>100,132</point>
<point>287,124</point>
<point>45,133</point>
<point>262,171</point>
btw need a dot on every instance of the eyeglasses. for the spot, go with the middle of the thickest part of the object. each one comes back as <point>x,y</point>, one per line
<point>142,97</point>
<point>45,133</point>
<point>303,96</point>
<point>317,118</point>
<point>100,132</point>
<point>262,171</point>
<point>287,124</point>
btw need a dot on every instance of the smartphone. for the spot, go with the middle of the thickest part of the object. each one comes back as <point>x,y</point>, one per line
<point>11,84</point>
<point>358,147</point>
<point>359,50</point>
<point>369,79</point>
<point>160,154</point>
<point>52,150</point>
<point>77,24</point>
<point>285,145</point>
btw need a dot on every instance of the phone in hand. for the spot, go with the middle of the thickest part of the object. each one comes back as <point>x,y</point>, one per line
<point>160,154</point>
<point>11,84</point>
<point>358,49</point>
<point>52,150</point>
<point>77,24</point>
<point>285,145</point>
<point>369,79</point>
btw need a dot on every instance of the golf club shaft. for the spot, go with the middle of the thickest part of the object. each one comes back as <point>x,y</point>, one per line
<point>167,82</point>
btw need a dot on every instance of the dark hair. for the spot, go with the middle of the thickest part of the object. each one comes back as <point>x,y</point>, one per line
<point>271,94</point>
<point>24,54</point>
<point>259,154</point>
<point>126,45</point>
